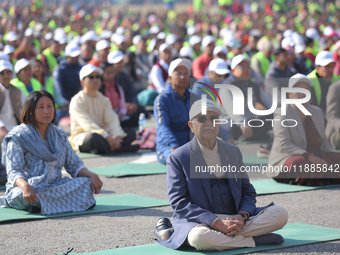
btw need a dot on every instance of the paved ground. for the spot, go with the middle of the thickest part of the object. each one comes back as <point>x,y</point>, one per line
<point>135,227</point>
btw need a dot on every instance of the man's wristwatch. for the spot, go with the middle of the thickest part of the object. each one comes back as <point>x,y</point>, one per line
<point>244,217</point>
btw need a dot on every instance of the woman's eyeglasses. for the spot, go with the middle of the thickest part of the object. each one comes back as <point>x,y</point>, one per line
<point>203,119</point>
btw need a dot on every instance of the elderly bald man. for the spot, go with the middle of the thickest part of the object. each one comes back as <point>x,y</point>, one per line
<point>214,210</point>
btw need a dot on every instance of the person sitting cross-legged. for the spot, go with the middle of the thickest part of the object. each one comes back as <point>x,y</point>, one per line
<point>214,210</point>
<point>91,113</point>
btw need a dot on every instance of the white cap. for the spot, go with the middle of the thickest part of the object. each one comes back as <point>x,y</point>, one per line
<point>207,40</point>
<point>328,31</point>
<point>219,66</point>
<point>21,64</point>
<point>136,39</point>
<point>161,35</point>
<point>225,31</point>
<point>9,49</point>
<point>106,34</point>
<point>4,56</point>
<point>88,69</point>
<point>196,108</point>
<point>59,30</point>
<point>324,58</point>
<point>5,65</point>
<point>219,49</point>
<point>298,78</point>
<point>186,52</point>
<point>76,40</point>
<point>287,43</point>
<point>48,36</point>
<point>72,50</point>
<point>287,33</point>
<point>120,30</point>
<point>229,40</point>
<point>60,38</point>
<point>298,39</point>
<point>299,48</point>
<point>171,39</point>
<point>154,30</point>
<point>29,32</point>
<point>89,36</point>
<point>164,46</point>
<point>312,33</point>
<point>102,44</point>
<point>115,56</point>
<point>194,40</point>
<point>179,62</point>
<point>11,36</point>
<point>191,30</point>
<point>237,60</point>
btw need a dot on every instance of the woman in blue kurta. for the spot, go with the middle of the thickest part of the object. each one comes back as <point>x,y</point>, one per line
<point>34,154</point>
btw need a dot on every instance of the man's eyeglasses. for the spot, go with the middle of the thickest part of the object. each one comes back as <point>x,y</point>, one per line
<point>243,67</point>
<point>6,72</point>
<point>203,119</point>
<point>91,77</point>
<point>185,74</point>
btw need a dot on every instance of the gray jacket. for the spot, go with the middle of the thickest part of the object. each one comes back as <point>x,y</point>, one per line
<point>291,141</point>
<point>333,110</point>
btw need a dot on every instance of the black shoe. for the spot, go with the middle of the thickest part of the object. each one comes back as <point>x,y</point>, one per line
<point>163,229</point>
<point>92,206</point>
<point>129,148</point>
<point>34,209</point>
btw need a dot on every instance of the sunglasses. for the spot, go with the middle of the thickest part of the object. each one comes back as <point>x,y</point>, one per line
<point>91,77</point>
<point>203,119</point>
<point>5,72</point>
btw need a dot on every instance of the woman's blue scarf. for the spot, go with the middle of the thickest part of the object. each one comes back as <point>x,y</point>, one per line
<point>29,138</point>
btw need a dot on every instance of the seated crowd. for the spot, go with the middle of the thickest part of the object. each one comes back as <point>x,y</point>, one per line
<point>102,87</point>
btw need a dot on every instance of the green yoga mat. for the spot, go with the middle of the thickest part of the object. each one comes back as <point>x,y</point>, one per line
<point>103,204</point>
<point>270,186</point>
<point>249,160</point>
<point>2,187</point>
<point>251,142</point>
<point>84,155</point>
<point>295,234</point>
<point>128,169</point>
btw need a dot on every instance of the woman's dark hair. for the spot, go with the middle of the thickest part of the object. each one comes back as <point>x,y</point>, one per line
<point>28,112</point>
<point>103,66</point>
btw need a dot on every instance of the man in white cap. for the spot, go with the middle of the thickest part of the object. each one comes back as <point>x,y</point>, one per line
<point>65,75</point>
<point>49,56</point>
<point>322,77</point>
<point>95,126</point>
<point>103,49</point>
<point>171,110</point>
<point>12,39</point>
<point>120,42</point>
<point>302,63</point>
<point>195,44</point>
<point>24,80</point>
<point>212,207</point>
<point>159,72</point>
<point>11,102</point>
<point>202,62</point>
<point>241,77</point>
<point>9,50</point>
